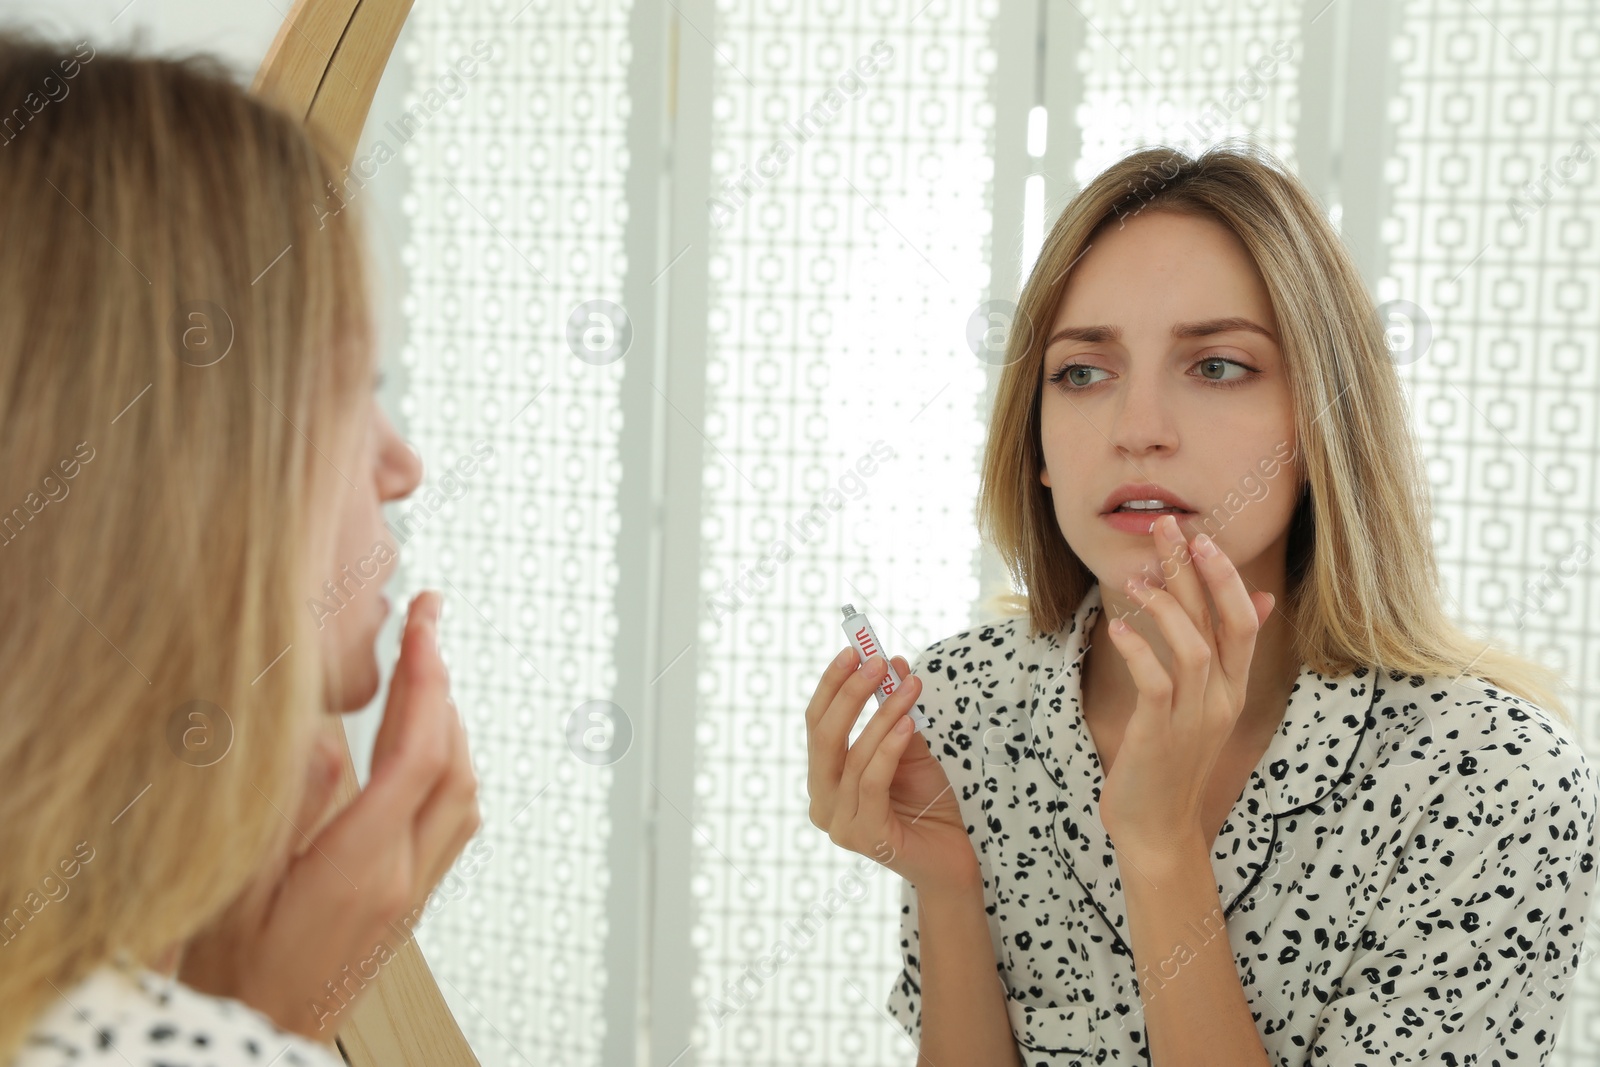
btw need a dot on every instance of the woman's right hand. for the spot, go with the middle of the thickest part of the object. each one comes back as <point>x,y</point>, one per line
<point>884,796</point>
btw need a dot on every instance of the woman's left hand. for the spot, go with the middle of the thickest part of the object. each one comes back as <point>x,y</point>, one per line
<point>342,903</point>
<point>1152,801</point>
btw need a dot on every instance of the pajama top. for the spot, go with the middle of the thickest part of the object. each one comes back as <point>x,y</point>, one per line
<point>125,1015</point>
<point>1405,877</point>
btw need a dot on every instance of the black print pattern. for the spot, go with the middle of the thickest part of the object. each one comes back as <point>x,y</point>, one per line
<point>132,1017</point>
<point>1406,877</point>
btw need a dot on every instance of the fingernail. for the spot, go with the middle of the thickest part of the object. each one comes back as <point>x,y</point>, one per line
<point>845,656</point>
<point>1205,546</point>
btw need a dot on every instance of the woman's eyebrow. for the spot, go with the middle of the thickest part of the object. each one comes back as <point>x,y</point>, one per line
<point>1095,335</point>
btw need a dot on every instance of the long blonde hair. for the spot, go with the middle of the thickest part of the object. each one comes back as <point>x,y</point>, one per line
<point>1362,583</point>
<point>185,334</point>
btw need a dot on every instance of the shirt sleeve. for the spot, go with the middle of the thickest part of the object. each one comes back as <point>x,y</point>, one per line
<point>1468,956</point>
<point>905,999</point>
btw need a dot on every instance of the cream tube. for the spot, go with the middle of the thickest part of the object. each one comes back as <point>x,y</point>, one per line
<point>866,645</point>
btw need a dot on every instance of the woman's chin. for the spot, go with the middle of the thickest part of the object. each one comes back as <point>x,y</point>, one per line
<point>360,684</point>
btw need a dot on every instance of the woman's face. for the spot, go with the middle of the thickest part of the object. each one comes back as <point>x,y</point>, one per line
<point>384,468</point>
<point>1169,369</point>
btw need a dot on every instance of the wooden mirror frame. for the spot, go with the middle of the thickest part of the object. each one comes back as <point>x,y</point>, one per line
<point>323,67</point>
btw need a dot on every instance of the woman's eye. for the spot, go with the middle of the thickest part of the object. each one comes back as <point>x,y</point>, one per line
<point>1073,373</point>
<point>1221,365</point>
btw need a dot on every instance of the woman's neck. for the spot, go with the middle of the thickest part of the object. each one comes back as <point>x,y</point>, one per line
<point>166,963</point>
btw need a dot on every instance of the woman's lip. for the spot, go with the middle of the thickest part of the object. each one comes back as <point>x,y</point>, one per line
<point>1136,522</point>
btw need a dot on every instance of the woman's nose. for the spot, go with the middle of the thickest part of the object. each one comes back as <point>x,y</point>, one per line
<point>1141,420</point>
<point>400,468</point>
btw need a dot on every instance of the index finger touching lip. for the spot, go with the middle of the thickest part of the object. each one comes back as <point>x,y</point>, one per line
<point>1177,571</point>
<point>1226,585</point>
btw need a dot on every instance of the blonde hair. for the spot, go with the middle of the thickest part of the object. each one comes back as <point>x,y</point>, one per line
<point>1348,603</point>
<point>162,510</point>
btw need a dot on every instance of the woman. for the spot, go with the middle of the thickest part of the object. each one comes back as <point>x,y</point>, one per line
<point>1273,808</point>
<point>194,462</point>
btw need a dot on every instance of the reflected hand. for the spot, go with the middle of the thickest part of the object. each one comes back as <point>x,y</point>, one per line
<point>884,796</point>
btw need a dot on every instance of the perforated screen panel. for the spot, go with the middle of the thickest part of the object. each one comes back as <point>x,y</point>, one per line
<point>844,410</point>
<point>1186,74</point>
<point>1493,302</point>
<point>515,220</point>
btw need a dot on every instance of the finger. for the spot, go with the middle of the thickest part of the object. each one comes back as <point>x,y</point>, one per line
<point>1149,676</point>
<point>423,608</point>
<point>368,851</point>
<point>1179,577</point>
<point>440,810</point>
<point>872,793</point>
<point>878,727</point>
<point>829,735</point>
<point>451,816</point>
<point>1238,618</point>
<point>823,761</point>
<point>1191,653</point>
<point>437,819</point>
<point>1265,604</point>
<point>842,712</point>
<point>410,752</point>
<point>843,665</point>
<point>466,828</point>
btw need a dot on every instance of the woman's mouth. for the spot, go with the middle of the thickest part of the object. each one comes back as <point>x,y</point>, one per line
<point>1140,521</point>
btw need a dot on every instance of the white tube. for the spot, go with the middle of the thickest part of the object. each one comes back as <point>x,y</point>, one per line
<point>866,644</point>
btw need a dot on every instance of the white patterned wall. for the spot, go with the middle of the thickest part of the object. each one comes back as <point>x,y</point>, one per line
<point>1493,290</point>
<point>515,219</point>
<point>841,288</point>
<point>1186,74</point>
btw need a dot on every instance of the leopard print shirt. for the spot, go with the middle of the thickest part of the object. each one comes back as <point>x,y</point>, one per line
<point>1405,877</point>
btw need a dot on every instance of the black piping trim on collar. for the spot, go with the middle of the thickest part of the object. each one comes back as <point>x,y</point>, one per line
<point>1367,719</point>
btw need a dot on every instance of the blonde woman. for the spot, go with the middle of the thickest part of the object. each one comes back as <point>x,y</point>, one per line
<point>192,449</point>
<point>1271,806</point>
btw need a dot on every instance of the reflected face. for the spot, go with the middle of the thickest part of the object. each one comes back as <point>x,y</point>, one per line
<point>1162,366</point>
<point>384,469</point>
